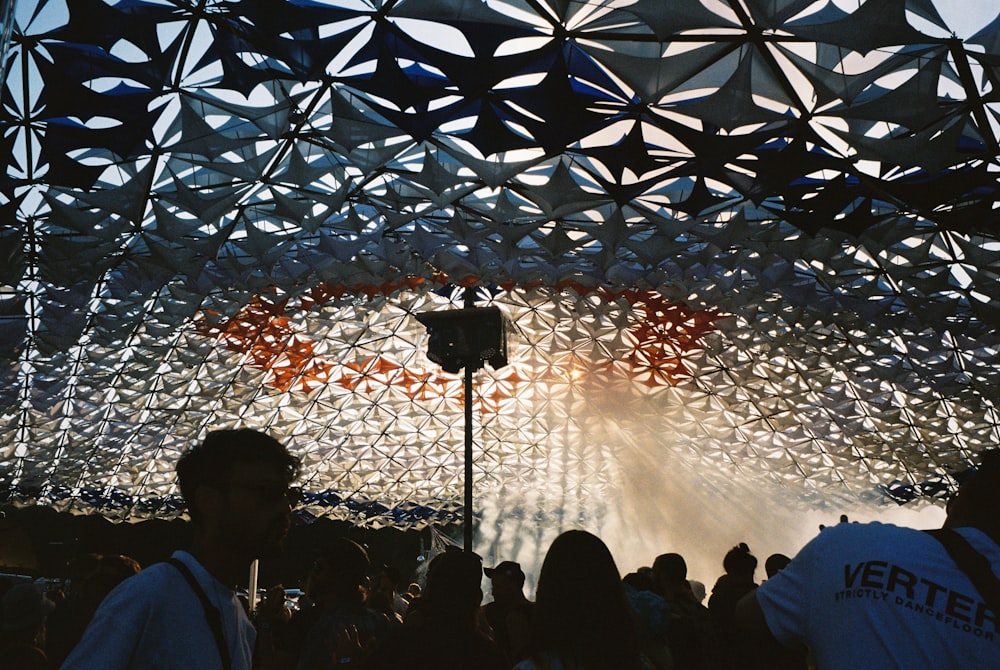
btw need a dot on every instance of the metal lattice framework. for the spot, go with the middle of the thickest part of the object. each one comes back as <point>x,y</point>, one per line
<point>754,239</point>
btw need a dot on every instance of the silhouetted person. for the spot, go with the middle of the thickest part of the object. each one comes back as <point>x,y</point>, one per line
<point>379,602</point>
<point>583,619</point>
<point>23,609</point>
<point>736,646</point>
<point>772,654</point>
<point>509,614</point>
<point>652,616</point>
<point>91,578</point>
<point>882,597</point>
<point>697,590</point>
<point>775,563</point>
<point>280,638</point>
<point>385,580</point>
<point>339,583</point>
<point>691,637</point>
<point>444,630</point>
<point>184,614</point>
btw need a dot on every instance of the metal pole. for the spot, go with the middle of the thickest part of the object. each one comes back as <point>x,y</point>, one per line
<point>467,521</point>
<point>470,367</point>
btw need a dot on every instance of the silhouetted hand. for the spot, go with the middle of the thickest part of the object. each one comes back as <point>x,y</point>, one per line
<point>347,646</point>
<point>272,609</point>
<point>843,519</point>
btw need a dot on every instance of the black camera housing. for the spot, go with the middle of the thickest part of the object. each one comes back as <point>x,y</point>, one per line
<point>466,337</point>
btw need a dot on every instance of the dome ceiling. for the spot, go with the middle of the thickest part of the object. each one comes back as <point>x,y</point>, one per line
<point>754,241</point>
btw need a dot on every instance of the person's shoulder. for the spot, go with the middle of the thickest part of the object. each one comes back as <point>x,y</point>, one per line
<point>524,607</point>
<point>847,540</point>
<point>722,582</point>
<point>689,608</point>
<point>862,527</point>
<point>872,530</point>
<point>147,586</point>
<point>151,577</point>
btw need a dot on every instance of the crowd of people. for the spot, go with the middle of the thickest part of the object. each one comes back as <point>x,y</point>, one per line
<point>857,596</point>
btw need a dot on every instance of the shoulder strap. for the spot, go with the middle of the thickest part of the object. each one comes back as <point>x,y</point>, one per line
<point>972,563</point>
<point>211,611</point>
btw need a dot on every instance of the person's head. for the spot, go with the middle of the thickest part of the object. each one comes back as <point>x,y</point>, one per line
<point>670,573</point>
<point>116,568</point>
<point>775,563</point>
<point>386,579</point>
<point>697,589</point>
<point>453,590</point>
<point>639,581</point>
<point>507,580</point>
<point>236,486</point>
<point>340,573</point>
<point>739,562</point>
<point>977,502</point>
<point>93,576</point>
<point>581,609</point>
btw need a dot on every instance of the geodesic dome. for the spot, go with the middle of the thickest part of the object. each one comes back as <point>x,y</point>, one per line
<point>751,245</point>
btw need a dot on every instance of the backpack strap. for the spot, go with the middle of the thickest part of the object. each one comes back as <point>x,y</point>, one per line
<point>212,614</point>
<point>976,567</point>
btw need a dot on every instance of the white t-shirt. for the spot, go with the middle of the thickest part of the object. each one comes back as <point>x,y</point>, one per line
<point>882,597</point>
<point>155,621</point>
